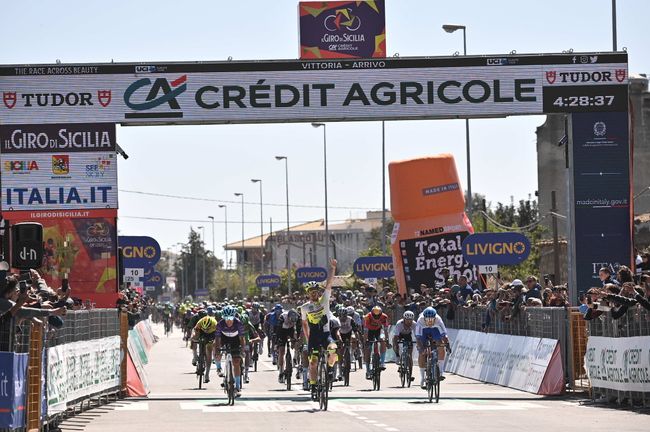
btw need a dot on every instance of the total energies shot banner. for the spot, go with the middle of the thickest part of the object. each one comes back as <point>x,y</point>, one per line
<point>601,195</point>
<point>430,223</point>
<point>342,29</point>
<point>81,244</point>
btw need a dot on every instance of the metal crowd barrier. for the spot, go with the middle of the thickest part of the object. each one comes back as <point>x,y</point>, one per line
<point>636,322</point>
<point>542,322</point>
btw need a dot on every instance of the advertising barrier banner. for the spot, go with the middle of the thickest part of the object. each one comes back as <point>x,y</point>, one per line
<point>13,389</point>
<point>81,244</point>
<point>430,223</point>
<point>79,369</point>
<point>59,181</point>
<point>314,90</point>
<point>342,29</point>
<point>601,192</point>
<point>619,363</point>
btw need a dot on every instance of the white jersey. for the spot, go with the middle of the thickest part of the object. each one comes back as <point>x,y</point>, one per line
<point>315,312</point>
<point>420,326</point>
<point>402,330</point>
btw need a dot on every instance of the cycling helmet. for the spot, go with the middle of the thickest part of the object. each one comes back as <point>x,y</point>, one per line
<point>206,324</point>
<point>203,313</point>
<point>211,310</point>
<point>408,315</point>
<point>350,310</point>
<point>229,312</point>
<point>310,286</point>
<point>429,312</point>
<point>256,305</point>
<point>341,312</point>
<point>292,316</point>
<point>277,307</point>
<point>376,310</point>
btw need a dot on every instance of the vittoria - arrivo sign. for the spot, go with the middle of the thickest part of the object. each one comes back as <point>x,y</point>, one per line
<point>303,91</point>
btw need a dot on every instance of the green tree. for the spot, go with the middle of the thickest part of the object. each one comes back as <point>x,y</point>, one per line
<point>190,263</point>
<point>374,241</point>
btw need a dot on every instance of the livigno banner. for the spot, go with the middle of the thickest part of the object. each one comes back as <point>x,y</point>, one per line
<point>342,29</point>
<point>308,90</point>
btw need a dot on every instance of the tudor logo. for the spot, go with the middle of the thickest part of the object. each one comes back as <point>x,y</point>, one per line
<point>621,74</point>
<point>9,99</point>
<point>104,97</point>
<point>551,76</point>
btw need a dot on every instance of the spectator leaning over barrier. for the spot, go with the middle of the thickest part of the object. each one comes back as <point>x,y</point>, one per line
<point>13,302</point>
<point>534,288</point>
<point>518,301</point>
<point>624,275</point>
<point>605,275</point>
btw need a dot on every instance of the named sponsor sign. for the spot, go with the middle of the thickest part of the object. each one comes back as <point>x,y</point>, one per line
<point>374,267</point>
<point>57,138</point>
<point>507,248</point>
<point>619,363</point>
<point>303,91</point>
<point>270,281</point>
<point>342,29</point>
<point>58,181</point>
<point>309,274</point>
<point>139,251</point>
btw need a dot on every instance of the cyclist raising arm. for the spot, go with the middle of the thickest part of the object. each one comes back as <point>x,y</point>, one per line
<point>430,327</point>
<point>315,323</point>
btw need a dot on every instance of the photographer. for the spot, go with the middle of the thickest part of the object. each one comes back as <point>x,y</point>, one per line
<point>15,296</point>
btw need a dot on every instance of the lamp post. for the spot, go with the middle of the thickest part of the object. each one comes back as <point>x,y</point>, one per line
<point>450,28</point>
<point>286,182</point>
<point>183,271</point>
<point>327,227</point>
<point>261,227</point>
<point>225,263</point>
<point>203,264</point>
<point>383,187</point>
<point>243,281</point>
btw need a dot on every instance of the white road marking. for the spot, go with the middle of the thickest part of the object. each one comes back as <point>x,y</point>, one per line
<point>136,406</point>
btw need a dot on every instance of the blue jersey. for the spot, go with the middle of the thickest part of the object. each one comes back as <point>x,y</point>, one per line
<point>436,331</point>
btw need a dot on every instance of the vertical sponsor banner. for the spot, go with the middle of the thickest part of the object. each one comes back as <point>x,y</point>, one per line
<point>82,245</point>
<point>342,29</point>
<point>601,196</point>
<point>430,223</point>
<point>13,389</point>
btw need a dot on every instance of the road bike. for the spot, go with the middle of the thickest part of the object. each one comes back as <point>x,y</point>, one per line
<point>432,373</point>
<point>320,392</point>
<point>288,364</point>
<point>200,363</point>
<point>406,363</point>
<point>228,383</point>
<point>375,364</point>
<point>346,362</point>
<point>168,325</point>
<point>255,355</point>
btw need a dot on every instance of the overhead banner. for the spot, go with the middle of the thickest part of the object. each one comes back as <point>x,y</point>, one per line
<point>139,251</point>
<point>619,363</point>
<point>309,274</point>
<point>270,281</point>
<point>80,245</point>
<point>506,248</point>
<point>374,267</point>
<point>305,91</point>
<point>340,29</point>
<point>601,192</point>
<point>53,181</point>
<point>427,205</point>
<point>57,138</point>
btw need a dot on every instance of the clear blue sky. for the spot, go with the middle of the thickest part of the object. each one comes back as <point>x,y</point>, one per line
<point>215,161</point>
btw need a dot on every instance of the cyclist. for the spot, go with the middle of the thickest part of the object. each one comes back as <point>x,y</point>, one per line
<point>285,330</point>
<point>374,322</point>
<point>205,329</point>
<point>192,324</point>
<point>347,333</point>
<point>230,334</point>
<point>358,341</point>
<point>257,320</point>
<point>335,326</point>
<point>404,333</point>
<point>315,323</point>
<point>430,327</point>
<point>270,322</point>
<point>252,337</point>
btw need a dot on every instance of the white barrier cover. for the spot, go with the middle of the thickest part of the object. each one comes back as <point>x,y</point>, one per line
<point>619,363</point>
<point>78,369</point>
<point>518,362</point>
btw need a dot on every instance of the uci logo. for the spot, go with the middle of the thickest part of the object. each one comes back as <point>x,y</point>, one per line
<point>162,91</point>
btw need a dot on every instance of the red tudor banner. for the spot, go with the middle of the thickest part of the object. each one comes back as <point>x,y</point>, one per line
<point>81,244</point>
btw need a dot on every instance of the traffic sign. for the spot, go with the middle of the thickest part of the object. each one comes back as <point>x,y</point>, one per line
<point>488,269</point>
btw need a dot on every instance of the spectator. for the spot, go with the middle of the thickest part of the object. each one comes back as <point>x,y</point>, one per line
<point>534,288</point>
<point>624,275</point>
<point>465,291</point>
<point>13,301</point>
<point>605,275</point>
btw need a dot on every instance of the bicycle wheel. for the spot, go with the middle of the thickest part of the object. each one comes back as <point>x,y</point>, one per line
<point>402,371</point>
<point>345,366</point>
<point>409,371</point>
<point>288,368</point>
<point>436,383</point>
<point>323,384</point>
<point>231,385</point>
<point>255,356</point>
<point>200,364</point>
<point>376,372</point>
<point>429,381</point>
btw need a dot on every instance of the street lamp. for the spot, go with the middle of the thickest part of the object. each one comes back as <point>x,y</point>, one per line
<point>450,28</point>
<point>286,182</point>
<point>184,275</point>
<point>261,227</point>
<point>243,281</point>
<point>203,265</point>
<point>327,227</point>
<point>225,265</point>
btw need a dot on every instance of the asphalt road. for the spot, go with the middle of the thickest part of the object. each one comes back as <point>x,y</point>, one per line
<point>176,404</point>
